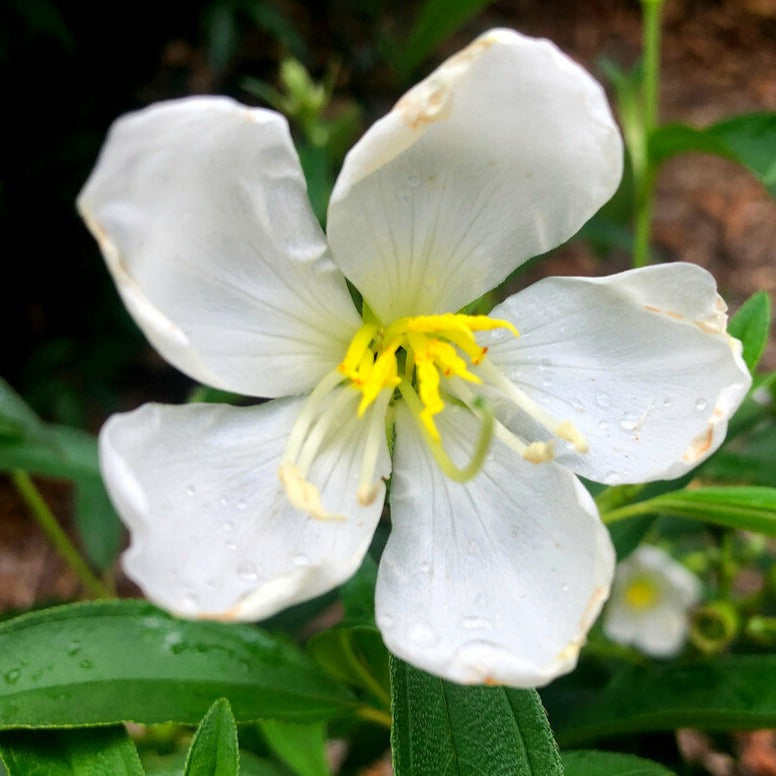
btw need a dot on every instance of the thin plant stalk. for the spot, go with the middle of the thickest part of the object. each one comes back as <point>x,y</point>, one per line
<point>59,539</point>
<point>644,177</point>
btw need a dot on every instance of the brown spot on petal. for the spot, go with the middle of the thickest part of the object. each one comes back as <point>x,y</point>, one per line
<point>491,682</point>
<point>700,445</point>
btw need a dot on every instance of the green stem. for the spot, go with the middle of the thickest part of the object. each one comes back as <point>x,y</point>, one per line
<point>652,13</point>
<point>629,510</point>
<point>48,523</point>
<point>375,715</point>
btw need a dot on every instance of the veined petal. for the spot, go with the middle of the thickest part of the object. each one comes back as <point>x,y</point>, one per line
<point>213,534</point>
<point>640,362</point>
<point>497,580</point>
<point>499,155</point>
<point>201,211</point>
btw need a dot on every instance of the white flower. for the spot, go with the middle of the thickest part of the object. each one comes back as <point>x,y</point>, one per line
<point>651,597</point>
<point>497,563</point>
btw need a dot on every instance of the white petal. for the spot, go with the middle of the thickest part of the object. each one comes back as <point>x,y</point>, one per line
<point>501,154</point>
<point>497,580</point>
<point>201,211</point>
<point>213,534</point>
<point>640,362</point>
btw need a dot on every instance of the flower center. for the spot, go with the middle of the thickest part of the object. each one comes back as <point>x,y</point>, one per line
<point>425,357</point>
<point>423,348</point>
<point>641,593</point>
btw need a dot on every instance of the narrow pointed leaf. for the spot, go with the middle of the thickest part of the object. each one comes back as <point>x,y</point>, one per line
<point>214,750</point>
<point>731,692</point>
<point>748,140</point>
<point>70,752</point>
<point>751,324</point>
<point>595,763</point>
<point>301,746</point>
<point>747,508</point>
<point>445,729</point>
<point>106,662</point>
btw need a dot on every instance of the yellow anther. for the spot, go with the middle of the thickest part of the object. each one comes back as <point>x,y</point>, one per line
<point>358,351</point>
<point>539,452</point>
<point>303,494</point>
<point>568,431</point>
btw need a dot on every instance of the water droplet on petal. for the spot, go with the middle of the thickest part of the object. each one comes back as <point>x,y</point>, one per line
<point>611,478</point>
<point>385,622</point>
<point>603,400</point>
<point>413,179</point>
<point>547,383</point>
<point>577,405</point>
<point>190,490</point>
<point>477,623</point>
<point>74,648</point>
<point>481,599</point>
<point>422,634</point>
<point>231,545</point>
<point>603,425</point>
<point>565,587</point>
<point>425,566</point>
<point>667,402</point>
<point>227,526</point>
<point>224,501</point>
<point>629,421</point>
<point>545,363</point>
<point>247,571</point>
<point>12,676</point>
<point>241,505</point>
<point>701,404</point>
<point>87,664</point>
<point>301,560</point>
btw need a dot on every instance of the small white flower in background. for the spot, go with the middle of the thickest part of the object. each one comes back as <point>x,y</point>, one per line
<point>651,598</point>
<point>497,563</point>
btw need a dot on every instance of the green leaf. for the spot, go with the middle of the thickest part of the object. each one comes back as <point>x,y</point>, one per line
<point>356,656</point>
<point>214,750</point>
<point>98,524</point>
<point>70,752</point>
<point>112,661</point>
<point>731,692</point>
<point>748,508</point>
<point>17,418</point>
<point>595,763</point>
<point>301,746</point>
<point>358,594</point>
<point>436,20</point>
<point>748,140</point>
<point>445,729</point>
<point>751,324</point>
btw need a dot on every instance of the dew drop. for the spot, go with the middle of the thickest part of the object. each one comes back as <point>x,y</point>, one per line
<point>603,400</point>
<point>481,600</point>
<point>422,634</point>
<point>224,501</point>
<point>241,505</point>
<point>701,405</point>
<point>74,648</point>
<point>86,664</point>
<point>611,478</point>
<point>191,601</point>
<point>190,490</point>
<point>413,179</point>
<point>231,545</point>
<point>425,566</point>
<point>547,382</point>
<point>301,560</point>
<point>667,402</point>
<point>577,405</point>
<point>12,676</point>
<point>477,623</point>
<point>629,421</point>
<point>385,622</point>
<point>247,571</point>
<point>545,363</point>
<point>603,425</point>
<point>565,587</point>
<point>227,526</point>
